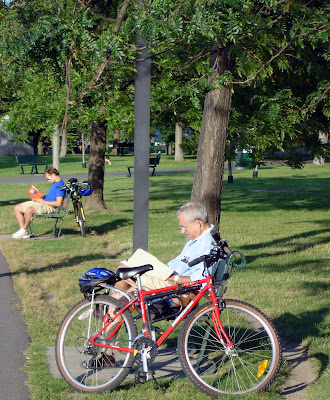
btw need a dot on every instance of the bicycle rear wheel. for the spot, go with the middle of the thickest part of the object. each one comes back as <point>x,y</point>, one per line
<point>72,350</point>
<point>81,219</point>
<point>251,365</point>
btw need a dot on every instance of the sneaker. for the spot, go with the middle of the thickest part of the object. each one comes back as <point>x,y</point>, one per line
<point>18,233</point>
<point>22,234</point>
<point>106,361</point>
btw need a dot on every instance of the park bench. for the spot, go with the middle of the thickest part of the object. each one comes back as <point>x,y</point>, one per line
<point>29,160</point>
<point>58,216</point>
<point>153,162</point>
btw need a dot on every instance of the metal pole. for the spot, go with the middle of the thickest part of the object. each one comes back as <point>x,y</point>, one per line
<point>141,147</point>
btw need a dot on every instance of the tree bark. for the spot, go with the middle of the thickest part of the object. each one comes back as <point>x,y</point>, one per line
<point>207,185</point>
<point>56,147</point>
<point>178,142</point>
<point>96,165</point>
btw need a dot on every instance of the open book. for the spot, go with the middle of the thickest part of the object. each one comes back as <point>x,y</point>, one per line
<point>141,257</point>
<point>34,193</point>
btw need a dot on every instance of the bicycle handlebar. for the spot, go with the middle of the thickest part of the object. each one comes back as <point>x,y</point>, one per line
<point>197,260</point>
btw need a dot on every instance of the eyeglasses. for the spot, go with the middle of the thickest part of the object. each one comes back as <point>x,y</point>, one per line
<point>184,228</point>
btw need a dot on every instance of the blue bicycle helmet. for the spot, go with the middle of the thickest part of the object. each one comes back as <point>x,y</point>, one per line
<point>93,277</point>
<point>86,189</point>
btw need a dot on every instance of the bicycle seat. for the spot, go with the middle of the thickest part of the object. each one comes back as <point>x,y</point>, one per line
<point>127,273</point>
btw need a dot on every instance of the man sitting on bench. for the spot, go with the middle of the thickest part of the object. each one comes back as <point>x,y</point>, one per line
<point>47,205</point>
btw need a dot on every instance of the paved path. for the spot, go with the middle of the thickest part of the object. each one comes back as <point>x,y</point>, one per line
<point>40,177</point>
<point>14,340</point>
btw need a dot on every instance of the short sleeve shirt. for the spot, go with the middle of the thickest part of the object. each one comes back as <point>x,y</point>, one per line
<point>193,249</point>
<point>55,191</point>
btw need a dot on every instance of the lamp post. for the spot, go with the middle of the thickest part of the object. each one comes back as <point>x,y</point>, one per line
<point>141,145</point>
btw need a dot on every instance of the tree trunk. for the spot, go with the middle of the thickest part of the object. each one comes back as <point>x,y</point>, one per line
<point>96,165</point>
<point>35,141</point>
<point>56,147</point>
<point>83,148</point>
<point>207,185</point>
<point>178,142</point>
<point>115,142</point>
<point>324,137</point>
<point>230,172</point>
<point>64,143</point>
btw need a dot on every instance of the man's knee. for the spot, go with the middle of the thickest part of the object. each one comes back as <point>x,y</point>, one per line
<point>18,208</point>
<point>30,211</point>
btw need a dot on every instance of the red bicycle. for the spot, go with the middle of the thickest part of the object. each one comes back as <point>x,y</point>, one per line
<point>225,346</point>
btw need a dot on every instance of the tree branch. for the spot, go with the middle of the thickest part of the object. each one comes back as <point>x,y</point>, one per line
<point>294,37</point>
<point>315,103</point>
<point>106,60</point>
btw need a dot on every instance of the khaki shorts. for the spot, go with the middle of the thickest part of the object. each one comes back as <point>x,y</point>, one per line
<point>40,208</point>
<point>150,282</point>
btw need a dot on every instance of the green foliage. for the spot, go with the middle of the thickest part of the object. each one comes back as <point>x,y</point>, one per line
<point>280,80</point>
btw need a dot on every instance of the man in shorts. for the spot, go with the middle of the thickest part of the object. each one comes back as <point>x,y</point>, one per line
<point>193,222</point>
<point>47,205</point>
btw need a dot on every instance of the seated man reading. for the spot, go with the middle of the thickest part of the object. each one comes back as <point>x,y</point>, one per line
<point>193,222</point>
<point>47,205</point>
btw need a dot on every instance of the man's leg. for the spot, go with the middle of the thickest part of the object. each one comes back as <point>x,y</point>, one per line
<point>19,213</point>
<point>24,218</point>
<point>30,211</point>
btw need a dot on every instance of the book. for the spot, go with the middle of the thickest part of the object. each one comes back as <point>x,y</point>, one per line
<point>34,193</point>
<point>142,257</point>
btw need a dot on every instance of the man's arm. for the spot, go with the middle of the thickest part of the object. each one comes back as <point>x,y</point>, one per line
<point>179,279</point>
<point>55,203</point>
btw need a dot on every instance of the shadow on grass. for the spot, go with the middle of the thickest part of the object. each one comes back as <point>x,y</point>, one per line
<point>69,262</point>
<point>12,202</point>
<point>292,245</point>
<point>286,193</point>
<point>98,230</point>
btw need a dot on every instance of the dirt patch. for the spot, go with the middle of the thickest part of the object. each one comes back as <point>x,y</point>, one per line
<point>302,373</point>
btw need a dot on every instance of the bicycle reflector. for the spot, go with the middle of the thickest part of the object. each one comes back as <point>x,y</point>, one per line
<point>86,189</point>
<point>93,277</point>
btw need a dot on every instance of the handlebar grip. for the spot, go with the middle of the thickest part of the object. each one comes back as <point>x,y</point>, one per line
<point>196,261</point>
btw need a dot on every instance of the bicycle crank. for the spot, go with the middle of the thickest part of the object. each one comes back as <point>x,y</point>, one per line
<point>146,352</point>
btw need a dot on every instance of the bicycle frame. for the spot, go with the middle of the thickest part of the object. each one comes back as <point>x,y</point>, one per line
<point>74,202</point>
<point>143,296</point>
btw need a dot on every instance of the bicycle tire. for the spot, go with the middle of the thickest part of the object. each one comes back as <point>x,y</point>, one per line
<point>71,347</point>
<point>81,221</point>
<point>251,366</point>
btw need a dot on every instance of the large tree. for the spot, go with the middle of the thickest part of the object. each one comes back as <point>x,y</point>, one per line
<point>239,51</point>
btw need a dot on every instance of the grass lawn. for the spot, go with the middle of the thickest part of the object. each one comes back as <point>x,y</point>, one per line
<point>280,221</point>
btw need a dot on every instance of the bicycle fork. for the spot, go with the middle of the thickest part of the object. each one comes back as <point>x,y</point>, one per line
<point>219,329</point>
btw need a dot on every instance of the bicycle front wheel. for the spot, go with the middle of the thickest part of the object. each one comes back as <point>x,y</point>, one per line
<point>83,366</point>
<point>252,363</point>
<point>81,219</point>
